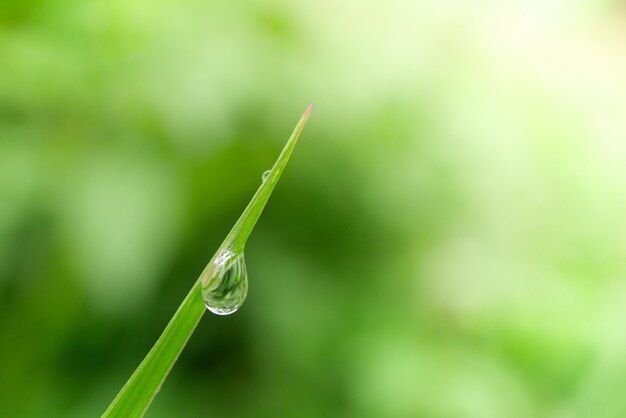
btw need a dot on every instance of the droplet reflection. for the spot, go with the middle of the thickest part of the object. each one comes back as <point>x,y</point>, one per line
<point>225,283</point>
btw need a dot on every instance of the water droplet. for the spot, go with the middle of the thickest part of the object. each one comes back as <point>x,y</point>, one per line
<point>225,284</point>
<point>264,175</point>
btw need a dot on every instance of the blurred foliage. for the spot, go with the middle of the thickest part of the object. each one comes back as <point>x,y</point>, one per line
<point>448,240</point>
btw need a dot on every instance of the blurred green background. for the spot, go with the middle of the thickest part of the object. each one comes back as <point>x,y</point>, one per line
<point>448,240</point>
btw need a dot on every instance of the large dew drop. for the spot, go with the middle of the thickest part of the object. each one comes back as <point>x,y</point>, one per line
<point>225,284</point>
<point>265,175</point>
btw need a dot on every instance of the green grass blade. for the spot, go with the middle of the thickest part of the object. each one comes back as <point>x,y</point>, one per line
<point>135,397</point>
<point>139,391</point>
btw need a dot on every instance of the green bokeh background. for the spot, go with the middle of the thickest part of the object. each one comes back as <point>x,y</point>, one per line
<point>448,240</point>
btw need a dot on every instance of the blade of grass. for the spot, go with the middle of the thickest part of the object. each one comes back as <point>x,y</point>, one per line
<point>139,391</point>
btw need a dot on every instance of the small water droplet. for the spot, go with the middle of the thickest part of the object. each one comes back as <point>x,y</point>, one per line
<point>264,175</point>
<point>225,284</point>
